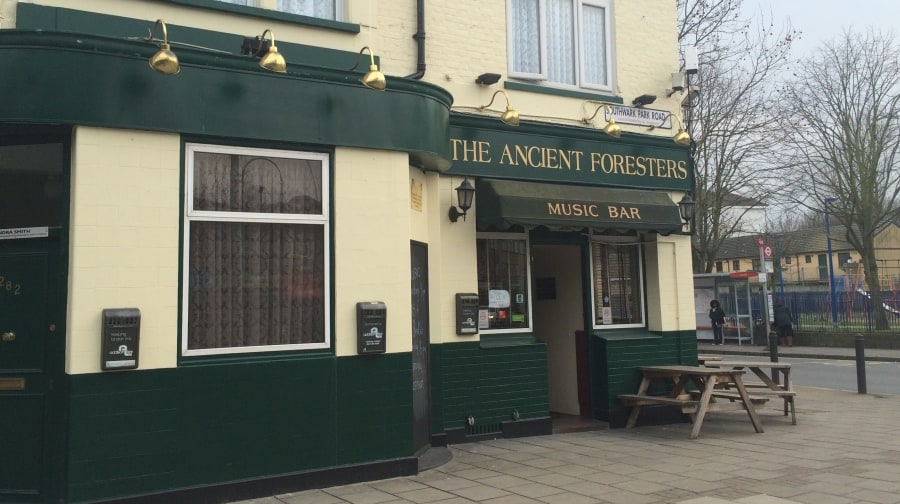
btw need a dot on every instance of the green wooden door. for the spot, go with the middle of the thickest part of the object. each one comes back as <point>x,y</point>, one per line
<point>32,340</point>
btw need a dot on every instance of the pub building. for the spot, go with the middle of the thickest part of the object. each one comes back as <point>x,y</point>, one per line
<point>232,267</point>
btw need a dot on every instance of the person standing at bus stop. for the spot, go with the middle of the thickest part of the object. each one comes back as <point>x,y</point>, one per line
<point>717,320</point>
<point>784,324</point>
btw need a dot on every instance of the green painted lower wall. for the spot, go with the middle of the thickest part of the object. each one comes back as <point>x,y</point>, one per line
<point>488,383</point>
<point>617,355</point>
<point>143,432</point>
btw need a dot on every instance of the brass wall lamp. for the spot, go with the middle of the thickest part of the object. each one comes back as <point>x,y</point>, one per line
<point>272,60</point>
<point>681,137</point>
<point>612,129</point>
<point>510,117</point>
<point>164,61</point>
<point>373,79</point>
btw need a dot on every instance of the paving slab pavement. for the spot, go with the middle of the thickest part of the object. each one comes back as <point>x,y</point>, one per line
<point>845,448</point>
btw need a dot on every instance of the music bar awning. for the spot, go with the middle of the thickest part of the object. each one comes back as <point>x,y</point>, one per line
<point>501,204</point>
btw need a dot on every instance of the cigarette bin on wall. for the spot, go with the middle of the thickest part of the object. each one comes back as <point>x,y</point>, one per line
<point>466,313</point>
<point>120,338</point>
<point>371,320</point>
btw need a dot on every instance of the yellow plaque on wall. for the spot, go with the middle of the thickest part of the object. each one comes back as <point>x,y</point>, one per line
<point>415,195</point>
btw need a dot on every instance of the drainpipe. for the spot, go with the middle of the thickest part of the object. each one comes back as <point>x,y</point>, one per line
<point>419,36</point>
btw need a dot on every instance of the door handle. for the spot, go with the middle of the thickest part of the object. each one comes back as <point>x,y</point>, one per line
<point>8,337</point>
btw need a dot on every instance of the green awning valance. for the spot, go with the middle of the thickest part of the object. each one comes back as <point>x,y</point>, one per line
<point>501,204</point>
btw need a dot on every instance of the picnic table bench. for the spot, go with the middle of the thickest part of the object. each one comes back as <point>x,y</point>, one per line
<point>766,387</point>
<point>696,403</point>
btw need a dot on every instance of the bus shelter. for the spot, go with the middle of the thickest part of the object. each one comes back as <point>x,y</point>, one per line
<point>740,295</point>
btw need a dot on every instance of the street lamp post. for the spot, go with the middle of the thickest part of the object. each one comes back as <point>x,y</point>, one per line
<point>834,312</point>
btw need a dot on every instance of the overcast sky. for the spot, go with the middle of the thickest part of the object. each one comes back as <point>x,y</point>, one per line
<point>821,20</point>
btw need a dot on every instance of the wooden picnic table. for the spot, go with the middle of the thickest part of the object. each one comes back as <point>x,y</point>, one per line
<point>703,358</point>
<point>783,388</point>
<point>696,404</point>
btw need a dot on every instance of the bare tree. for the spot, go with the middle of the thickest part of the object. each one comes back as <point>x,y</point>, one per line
<point>842,118</point>
<point>731,118</point>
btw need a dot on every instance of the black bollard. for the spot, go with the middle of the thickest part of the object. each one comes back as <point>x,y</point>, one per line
<point>860,363</point>
<point>773,354</point>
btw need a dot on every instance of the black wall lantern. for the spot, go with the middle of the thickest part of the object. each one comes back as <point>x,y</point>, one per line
<point>464,195</point>
<point>686,209</point>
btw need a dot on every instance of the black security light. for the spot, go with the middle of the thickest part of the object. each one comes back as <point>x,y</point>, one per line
<point>644,99</point>
<point>488,78</point>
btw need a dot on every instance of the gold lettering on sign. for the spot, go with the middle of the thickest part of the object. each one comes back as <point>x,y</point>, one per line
<point>554,158</point>
<point>541,157</point>
<point>631,213</point>
<point>475,151</point>
<point>572,209</point>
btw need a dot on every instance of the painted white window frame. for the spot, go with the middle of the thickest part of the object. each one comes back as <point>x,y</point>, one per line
<point>520,237</point>
<point>610,240</point>
<point>542,76</point>
<point>273,5</point>
<point>190,215</point>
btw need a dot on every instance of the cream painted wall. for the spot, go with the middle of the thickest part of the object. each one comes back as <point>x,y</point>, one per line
<point>454,262</point>
<point>670,284</point>
<point>360,12</point>
<point>371,243</point>
<point>123,250</point>
<point>466,38</point>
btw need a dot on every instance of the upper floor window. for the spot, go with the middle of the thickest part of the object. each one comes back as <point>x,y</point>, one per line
<point>561,42</point>
<point>719,268</point>
<point>736,265</point>
<point>255,250</point>
<point>322,9</point>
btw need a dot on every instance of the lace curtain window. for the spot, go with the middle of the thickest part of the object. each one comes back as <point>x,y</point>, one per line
<point>322,9</point>
<point>618,296</point>
<point>560,41</point>
<point>256,252</point>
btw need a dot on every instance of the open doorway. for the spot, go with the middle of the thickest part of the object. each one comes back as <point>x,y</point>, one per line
<point>558,317</point>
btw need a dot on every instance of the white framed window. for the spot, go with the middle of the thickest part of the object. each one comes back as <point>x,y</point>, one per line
<point>618,284</point>
<point>561,43</point>
<point>256,249</point>
<point>322,9</point>
<point>504,282</point>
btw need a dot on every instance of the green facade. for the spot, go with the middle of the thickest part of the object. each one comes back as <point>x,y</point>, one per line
<point>488,383</point>
<point>616,357</point>
<point>220,422</point>
<point>144,432</point>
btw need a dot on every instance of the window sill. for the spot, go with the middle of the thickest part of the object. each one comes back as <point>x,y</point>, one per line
<point>508,340</point>
<point>625,334</point>
<point>270,14</point>
<point>570,93</point>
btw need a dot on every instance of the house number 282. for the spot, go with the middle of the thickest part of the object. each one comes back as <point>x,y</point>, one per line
<point>8,285</point>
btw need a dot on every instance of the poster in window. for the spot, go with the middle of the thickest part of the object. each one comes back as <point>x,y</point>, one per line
<point>498,298</point>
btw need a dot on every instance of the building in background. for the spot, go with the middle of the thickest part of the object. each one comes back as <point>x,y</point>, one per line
<point>804,259</point>
<point>746,215</point>
<point>226,275</point>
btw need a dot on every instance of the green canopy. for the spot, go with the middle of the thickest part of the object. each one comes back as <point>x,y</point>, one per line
<point>505,203</point>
